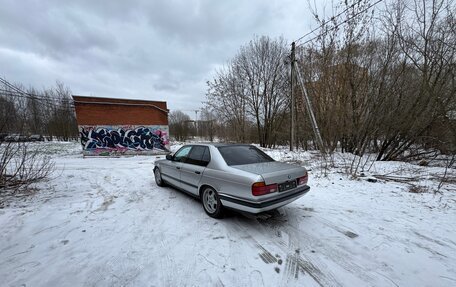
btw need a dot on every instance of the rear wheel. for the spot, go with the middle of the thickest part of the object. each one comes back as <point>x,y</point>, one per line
<point>211,203</point>
<point>158,177</point>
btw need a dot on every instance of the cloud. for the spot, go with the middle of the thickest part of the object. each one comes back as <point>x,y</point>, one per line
<point>162,50</point>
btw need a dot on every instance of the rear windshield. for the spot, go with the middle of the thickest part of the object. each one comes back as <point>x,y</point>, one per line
<point>243,154</point>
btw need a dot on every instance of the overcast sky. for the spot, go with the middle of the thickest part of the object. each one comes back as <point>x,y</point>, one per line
<point>156,50</point>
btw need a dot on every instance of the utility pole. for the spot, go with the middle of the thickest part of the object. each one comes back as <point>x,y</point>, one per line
<point>292,81</point>
<point>313,120</point>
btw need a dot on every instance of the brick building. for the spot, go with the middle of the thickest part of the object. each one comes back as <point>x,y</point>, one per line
<point>110,126</point>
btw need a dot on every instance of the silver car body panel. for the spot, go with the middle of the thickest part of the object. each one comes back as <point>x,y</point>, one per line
<point>234,183</point>
<point>273,172</point>
<point>272,203</point>
<point>167,170</point>
<point>190,177</point>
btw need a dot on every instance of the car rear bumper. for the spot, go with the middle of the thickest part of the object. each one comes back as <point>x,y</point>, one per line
<point>261,206</point>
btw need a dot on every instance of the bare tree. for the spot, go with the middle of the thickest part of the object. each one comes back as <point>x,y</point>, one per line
<point>35,114</point>
<point>49,112</point>
<point>208,123</point>
<point>179,125</point>
<point>386,82</point>
<point>426,38</point>
<point>253,87</point>
<point>226,97</point>
<point>8,115</point>
<point>20,166</point>
<point>62,123</point>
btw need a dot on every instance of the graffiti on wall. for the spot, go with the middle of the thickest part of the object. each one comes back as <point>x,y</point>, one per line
<point>114,140</point>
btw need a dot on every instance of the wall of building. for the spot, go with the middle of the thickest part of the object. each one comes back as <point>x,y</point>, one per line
<point>110,127</point>
<point>124,140</point>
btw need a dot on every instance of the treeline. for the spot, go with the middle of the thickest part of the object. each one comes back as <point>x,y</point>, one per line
<point>49,112</point>
<point>252,90</point>
<point>247,101</point>
<point>382,82</point>
<point>385,83</point>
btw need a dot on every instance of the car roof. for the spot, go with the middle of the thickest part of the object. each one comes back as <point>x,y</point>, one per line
<point>216,144</point>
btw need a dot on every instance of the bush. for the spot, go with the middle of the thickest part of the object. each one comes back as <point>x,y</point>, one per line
<point>22,164</point>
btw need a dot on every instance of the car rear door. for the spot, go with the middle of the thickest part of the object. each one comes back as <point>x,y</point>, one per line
<point>192,169</point>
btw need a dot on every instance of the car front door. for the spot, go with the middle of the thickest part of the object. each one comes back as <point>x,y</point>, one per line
<point>171,169</point>
<point>192,169</point>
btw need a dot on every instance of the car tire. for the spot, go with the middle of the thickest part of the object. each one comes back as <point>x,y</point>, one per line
<point>211,202</point>
<point>158,178</point>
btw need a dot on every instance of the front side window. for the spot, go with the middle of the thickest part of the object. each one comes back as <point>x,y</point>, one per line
<point>243,154</point>
<point>182,154</point>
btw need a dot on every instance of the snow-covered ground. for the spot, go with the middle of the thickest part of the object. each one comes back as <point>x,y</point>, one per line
<point>104,222</point>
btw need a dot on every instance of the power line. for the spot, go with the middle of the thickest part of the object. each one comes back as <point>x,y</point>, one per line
<point>336,26</point>
<point>16,92</point>
<point>52,103</point>
<point>294,68</point>
<point>324,23</point>
<point>43,103</point>
<point>40,99</point>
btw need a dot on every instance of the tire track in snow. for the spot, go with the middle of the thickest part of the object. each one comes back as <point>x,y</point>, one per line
<point>116,271</point>
<point>168,264</point>
<point>344,231</point>
<point>236,259</point>
<point>295,263</point>
<point>52,227</point>
<point>433,240</point>
<point>339,256</point>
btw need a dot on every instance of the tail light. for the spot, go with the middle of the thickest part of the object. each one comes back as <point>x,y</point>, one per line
<point>260,188</point>
<point>303,179</point>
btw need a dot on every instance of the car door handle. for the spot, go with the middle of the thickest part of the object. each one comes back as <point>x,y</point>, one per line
<point>178,167</point>
<point>197,172</point>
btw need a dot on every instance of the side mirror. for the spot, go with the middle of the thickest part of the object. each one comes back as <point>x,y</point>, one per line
<point>169,157</point>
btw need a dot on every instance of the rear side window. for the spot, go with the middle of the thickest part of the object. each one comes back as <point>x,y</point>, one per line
<point>206,156</point>
<point>243,154</point>
<point>199,156</point>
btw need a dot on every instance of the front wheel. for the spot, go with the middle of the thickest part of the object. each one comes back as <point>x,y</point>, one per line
<point>158,177</point>
<point>211,203</point>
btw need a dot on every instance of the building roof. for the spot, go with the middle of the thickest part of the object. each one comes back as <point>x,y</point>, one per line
<point>96,111</point>
<point>159,105</point>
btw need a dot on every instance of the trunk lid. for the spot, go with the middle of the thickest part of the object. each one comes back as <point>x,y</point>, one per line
<point>274,171</point>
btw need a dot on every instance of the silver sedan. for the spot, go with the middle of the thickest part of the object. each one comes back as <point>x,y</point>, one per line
<point>234,176</point>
